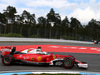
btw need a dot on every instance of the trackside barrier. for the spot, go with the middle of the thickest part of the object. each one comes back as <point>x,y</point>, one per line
<point>15,39</point>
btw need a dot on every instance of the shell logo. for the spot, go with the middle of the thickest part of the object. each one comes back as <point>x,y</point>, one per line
<point>32,59</point>
<point>39,58</point>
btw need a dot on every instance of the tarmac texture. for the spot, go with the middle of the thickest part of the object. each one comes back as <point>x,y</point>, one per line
<point>92,59</point>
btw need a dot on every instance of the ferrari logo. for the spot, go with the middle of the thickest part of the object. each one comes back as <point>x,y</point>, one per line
<point>39,58</point>
<point>32,59</point>
<point>54,57</point>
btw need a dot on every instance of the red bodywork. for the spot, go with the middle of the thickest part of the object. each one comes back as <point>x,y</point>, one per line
<point>41,58</point>
<point>37,58</point>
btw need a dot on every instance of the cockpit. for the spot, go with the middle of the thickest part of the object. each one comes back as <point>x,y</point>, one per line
<point>33,51</point>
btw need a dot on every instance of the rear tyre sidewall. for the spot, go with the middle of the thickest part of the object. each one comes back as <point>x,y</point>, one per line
<point>7,60</point>
<point>68,62</point>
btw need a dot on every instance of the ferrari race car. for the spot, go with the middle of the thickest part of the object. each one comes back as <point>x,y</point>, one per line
<point>9,56</point>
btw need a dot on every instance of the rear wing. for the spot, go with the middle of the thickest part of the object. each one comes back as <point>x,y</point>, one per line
<point>7,50</point>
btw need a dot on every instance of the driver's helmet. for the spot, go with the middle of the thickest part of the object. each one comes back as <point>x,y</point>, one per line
<point>39,49</point>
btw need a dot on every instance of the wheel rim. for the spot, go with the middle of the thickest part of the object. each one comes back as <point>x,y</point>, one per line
<point>67,63</point>
<point>6,60</point>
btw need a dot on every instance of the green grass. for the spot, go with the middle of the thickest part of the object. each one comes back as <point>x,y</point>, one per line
<point>34,36</point>
<point>11,35</point>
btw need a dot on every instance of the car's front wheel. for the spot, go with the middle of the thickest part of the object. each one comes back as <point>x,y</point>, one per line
<point>7,60</point>
<point>68,62</point>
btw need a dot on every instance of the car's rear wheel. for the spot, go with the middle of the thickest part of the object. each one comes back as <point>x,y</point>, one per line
<point>68,62</point>
<point>7,60</point>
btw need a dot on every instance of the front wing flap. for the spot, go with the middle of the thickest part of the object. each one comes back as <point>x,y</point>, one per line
<point>82,65</point>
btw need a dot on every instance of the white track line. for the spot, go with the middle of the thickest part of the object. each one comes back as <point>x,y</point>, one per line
<point>82,48</point>
<point>93,48</point>
<point>65,47</point>
<point>73,47</point>
<point>55,46</point>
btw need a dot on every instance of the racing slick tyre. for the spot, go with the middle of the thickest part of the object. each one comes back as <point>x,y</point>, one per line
<point>7,60</point>
<point>68,62</point>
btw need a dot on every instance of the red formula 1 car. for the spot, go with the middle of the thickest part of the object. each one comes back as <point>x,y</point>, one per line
<point>9,56</point>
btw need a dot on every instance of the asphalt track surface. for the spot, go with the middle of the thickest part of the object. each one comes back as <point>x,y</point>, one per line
<point>92,59</point>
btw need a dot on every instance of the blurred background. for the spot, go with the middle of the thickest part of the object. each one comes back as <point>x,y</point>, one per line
<point>51,26</point>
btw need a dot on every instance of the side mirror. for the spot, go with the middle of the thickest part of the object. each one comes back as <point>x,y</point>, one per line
<point>51,54</point>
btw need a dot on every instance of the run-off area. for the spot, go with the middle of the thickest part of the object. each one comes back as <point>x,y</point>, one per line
<point>60,48</point>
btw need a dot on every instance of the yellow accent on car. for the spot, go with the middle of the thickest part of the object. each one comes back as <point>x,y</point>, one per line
<point>28,50</point>
<point>39,58</point>
<point>54,57</point>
